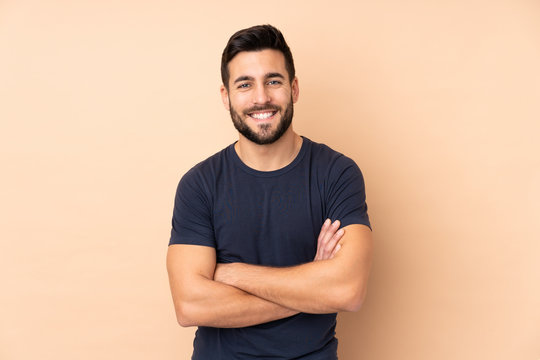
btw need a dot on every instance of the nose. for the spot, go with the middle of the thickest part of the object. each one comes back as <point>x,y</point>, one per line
<point>261,95</point>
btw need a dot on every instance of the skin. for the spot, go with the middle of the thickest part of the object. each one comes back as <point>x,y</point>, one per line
<point>337,283</point>
<point>200,300</point>
<point>238,295</point>
<point>259,79</point>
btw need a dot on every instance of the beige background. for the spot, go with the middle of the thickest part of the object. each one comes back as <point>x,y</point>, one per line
<point>105,104</point>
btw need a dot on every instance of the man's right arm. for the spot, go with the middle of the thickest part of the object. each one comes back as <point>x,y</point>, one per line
<point>201,301</point>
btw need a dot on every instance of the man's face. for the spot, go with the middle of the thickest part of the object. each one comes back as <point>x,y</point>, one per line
<point>260,96</point>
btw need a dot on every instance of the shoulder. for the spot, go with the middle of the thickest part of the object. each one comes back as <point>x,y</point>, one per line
<point>210,167</point>
<point>203,175</point>
<point>330,161</point>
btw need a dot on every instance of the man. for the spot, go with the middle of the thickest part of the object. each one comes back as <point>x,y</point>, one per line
<point>254,260</point>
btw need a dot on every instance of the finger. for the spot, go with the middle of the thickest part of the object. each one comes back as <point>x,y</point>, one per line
<point>336,249</point>
<point>325,251</point>
<point>324,229</point>
<point>321,238</point>
<point>331,231</point>
<point>332,243</point>
<point>324,236</point>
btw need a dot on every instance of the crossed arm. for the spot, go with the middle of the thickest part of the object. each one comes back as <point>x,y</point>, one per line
<point>238,295</point>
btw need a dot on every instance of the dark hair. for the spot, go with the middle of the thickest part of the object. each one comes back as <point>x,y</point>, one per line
<point>255,38</point>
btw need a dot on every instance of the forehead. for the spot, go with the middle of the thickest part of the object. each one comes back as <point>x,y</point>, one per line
<point>257,64</point>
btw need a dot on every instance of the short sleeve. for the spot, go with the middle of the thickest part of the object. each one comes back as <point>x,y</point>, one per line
<point>192,215</point>
<point>346,195</point>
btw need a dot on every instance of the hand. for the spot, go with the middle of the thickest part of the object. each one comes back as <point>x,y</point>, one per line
<point>328,241</point>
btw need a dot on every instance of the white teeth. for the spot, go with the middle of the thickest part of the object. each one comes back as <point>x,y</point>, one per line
<point>262,116</point>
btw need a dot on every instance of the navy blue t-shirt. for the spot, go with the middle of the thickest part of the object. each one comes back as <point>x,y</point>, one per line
<point>268,218</point>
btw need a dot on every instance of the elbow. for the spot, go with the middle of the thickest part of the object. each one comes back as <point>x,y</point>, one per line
<point>185,315</point>
<point>351,298</point>
<point>184,322</point>
<point>354,304</point>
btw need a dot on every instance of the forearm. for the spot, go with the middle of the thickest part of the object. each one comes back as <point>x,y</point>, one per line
<point>214,304</point>
<point>336,284</point>
<point>201,301</point>
<point>311,287</point>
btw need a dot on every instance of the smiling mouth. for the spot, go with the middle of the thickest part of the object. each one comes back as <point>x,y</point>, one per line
<point>262,115</point>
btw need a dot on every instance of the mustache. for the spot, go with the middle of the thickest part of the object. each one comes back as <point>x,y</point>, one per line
<point>268,107</point>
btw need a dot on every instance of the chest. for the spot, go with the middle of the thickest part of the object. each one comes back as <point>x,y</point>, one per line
<point>267,221</point>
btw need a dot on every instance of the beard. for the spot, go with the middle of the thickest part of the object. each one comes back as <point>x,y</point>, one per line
<point>264,135</point>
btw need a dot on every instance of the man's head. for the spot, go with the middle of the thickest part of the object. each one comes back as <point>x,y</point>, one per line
<point>255,38</point>
<point>259,85</point>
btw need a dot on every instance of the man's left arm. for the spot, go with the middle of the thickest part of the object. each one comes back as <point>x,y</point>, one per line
<point>319,287</point>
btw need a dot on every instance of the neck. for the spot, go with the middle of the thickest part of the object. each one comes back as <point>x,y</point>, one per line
<point>269,157</point>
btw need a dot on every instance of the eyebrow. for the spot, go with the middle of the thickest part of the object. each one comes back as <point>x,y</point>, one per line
<point>273,75</point>
<point>243,78</point>
<point>267,76</point>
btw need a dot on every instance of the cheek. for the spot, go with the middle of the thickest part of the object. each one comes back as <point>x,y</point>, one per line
<point>283,95</point>
<point>238,101</point>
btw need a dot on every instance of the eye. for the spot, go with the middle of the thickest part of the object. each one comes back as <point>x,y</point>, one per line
<point>243,86</point>
<point>274,82</point>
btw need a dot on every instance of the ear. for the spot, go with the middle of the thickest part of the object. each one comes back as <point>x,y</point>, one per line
<point>295,90</point>
<point>225,97</point>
